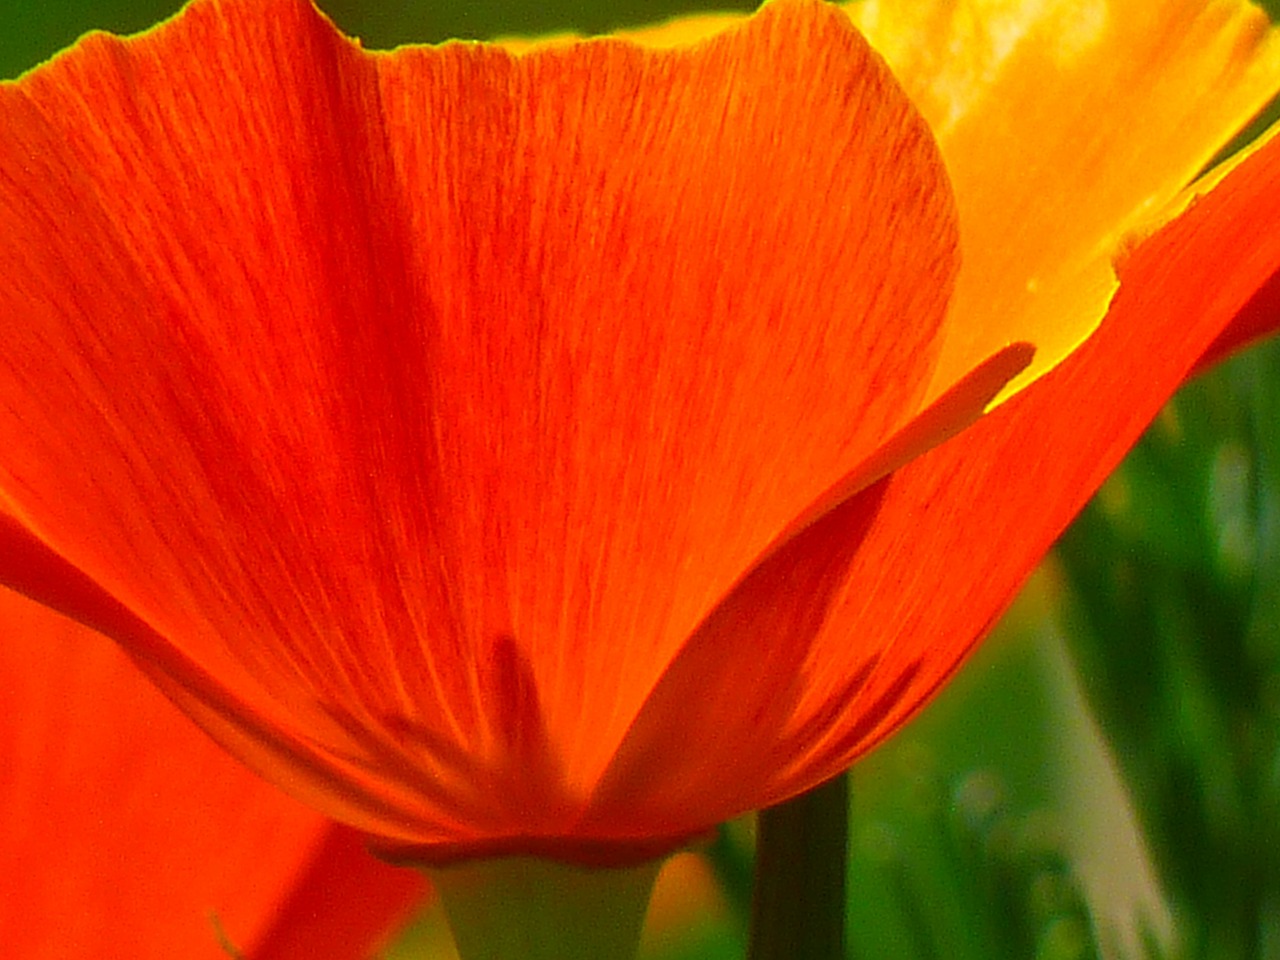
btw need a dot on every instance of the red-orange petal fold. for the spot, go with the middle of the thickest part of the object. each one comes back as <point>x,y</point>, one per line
<point>961,527</point>
<point>408,411</point>
<point>345,903</point>
<point>128,833</point>
<point>903,579</point>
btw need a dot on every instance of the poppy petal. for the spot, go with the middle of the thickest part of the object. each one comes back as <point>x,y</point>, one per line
<point>961,528</point>
<point>1255,321</point>
<point>414,408</point>
<point>736,676</point>
<point>344,903</point>
<point>1065,126</point>
<point>134,834</point>
<point>674,451</point>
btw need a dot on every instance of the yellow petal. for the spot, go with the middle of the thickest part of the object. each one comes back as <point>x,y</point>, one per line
<point>1064,126</point>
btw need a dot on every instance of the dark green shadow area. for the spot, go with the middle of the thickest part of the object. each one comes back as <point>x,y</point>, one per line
<point>31,31</point>
<point>394,22</point>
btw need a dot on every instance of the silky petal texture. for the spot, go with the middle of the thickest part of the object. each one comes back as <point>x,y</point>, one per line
<point>1255,321</point>
<point>1065,125</point>
<point>910,574</point>
<point>405,414</point>
<point>346,904</point>
<point>128,833</point>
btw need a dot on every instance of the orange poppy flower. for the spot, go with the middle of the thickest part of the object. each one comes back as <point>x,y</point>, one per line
<point>133,835</point>
<point>540,452</point>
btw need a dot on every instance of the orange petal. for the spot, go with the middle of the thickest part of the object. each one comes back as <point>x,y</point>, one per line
<point>343,905</point>
<point>1065,125</point>
<point>414,408</point>
<point>1258,319</point>
<point>736,676</point>
<point>134,835</point>
<point>960,529</point>
<point>699,346</point>
<point>834,640</point>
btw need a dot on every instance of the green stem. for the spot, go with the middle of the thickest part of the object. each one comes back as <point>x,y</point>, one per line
<point>519,908</point>
<point>798,906</point>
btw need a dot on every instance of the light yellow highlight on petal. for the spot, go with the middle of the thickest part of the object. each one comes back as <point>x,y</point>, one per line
<point>676,32</point>
<point>1083,30</point>
<point>1197,189</point>
<point>1065,125</point>
<point>682,30</point>
<point>981,36</point>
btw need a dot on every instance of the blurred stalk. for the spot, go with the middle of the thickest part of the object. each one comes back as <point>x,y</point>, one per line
<point>798,906</point>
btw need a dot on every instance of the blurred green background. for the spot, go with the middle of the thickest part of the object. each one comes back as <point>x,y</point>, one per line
<point>1103,779</point>
<point>31,30</point>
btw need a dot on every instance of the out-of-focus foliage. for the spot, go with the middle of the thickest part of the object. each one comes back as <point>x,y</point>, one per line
<point>1172,618</point>
<point>385,24</point>
<point>33,30</point>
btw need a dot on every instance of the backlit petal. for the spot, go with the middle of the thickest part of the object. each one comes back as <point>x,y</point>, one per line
<point>961,528</point>
<point>128,833</point>
<point>532,453</point>
<point>836,640</point>
<point>1065,125</point>
<point>412,409</point>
